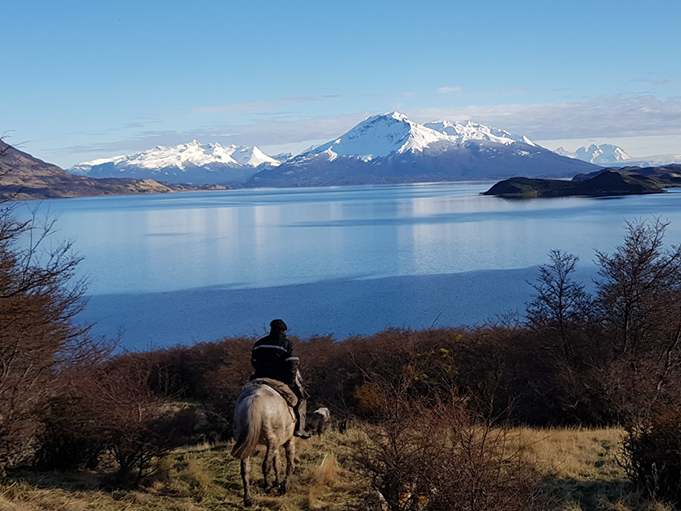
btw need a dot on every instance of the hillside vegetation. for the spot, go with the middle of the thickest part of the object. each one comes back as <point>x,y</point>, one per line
<point>438,419</point>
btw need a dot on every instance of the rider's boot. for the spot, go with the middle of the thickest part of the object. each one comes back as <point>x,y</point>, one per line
<point>300,411</point>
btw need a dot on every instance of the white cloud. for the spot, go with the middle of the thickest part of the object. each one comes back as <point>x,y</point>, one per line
<point>603,117</point>
<point>612,116</point>
<point>447,90</point>
<point>268,132</point>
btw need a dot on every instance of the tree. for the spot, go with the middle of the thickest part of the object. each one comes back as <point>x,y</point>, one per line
<point>560,303</point>
<point>639,290</point>
<point>39,297</point>
<point>639,300</point>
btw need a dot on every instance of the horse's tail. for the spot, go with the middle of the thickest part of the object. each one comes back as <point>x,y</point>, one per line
<point>248,435</point>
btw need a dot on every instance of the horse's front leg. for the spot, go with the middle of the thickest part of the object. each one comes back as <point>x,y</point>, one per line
<point>290,449</point>
<point>245,473</point>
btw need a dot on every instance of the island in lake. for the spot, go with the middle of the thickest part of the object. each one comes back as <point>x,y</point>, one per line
<point>604,183</point>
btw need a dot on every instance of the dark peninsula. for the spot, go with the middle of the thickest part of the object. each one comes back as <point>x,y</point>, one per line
<point>603,183</point>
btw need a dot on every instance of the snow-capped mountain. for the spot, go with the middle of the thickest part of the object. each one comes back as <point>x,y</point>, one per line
<point>601,154</point>
<point>614,156</point>
<point>655,160</point>
<point>379,136</point>
<point>193,163</point>
<point>282,157</point>
<point>463,132</point>
<point>390,148</point>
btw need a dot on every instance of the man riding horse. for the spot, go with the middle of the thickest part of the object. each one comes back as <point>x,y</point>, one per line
<point>273,357</point>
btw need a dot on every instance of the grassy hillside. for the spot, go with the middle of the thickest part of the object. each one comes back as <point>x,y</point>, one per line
<point>578,469</point>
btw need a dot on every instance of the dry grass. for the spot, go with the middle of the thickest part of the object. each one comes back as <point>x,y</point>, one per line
<point>579,467</point>
<point>198,480</point>
<point>573,453</point>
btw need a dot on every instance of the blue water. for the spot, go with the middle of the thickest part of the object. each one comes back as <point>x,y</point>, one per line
<point>182,268</point>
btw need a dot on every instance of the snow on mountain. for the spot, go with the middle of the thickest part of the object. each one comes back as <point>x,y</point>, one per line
<point>655,160</point>
<point>462,132</point>
<point>185,163</point>
<point>393,133</point>
<point>390,148</point>
<point>282,157</point>
<point>385,148</point>
<point>561,151</point>
<point>381,135</point>
<point>601,154</point>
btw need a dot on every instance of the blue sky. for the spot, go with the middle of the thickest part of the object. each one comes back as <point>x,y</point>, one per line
<point>93,79</point>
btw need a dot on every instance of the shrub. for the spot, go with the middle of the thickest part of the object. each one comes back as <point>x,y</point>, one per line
<point>222,380</point>
<point>115,406</point>
<point>39,297</point>
<point>70,436</point>
<point>138,424</point>
<point>652,456</point>
<point>442,458</point>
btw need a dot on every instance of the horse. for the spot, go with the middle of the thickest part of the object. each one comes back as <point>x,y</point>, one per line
<point>263,417</point>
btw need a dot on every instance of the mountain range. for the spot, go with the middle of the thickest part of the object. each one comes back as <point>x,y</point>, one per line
<point>601,154</point>
<point>609,155</point>
<point>24,177</point>
<point>385,148</point>
<point>193,163</point>
<point>390,148</point>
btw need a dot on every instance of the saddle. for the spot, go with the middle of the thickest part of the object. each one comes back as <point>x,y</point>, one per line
<point>283,389</point>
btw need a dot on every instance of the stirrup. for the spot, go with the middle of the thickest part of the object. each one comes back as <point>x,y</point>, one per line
<point>302,434</point>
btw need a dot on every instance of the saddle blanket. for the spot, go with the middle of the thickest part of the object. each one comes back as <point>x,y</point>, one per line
<point>283,389</point>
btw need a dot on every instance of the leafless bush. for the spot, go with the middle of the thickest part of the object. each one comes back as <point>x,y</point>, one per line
<point>442,458</point>
<point>221,384</point>
<point>615,357</point>
<point>70,436</point>
<point>139,425</point>
<point>39,297</point>
<point>113,406</point>
<point>651,456</point>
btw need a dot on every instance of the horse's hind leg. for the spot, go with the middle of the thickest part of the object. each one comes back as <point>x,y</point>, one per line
<point>245,473</point>
<point>277,466</point>
<point>290,449</point>
<point>266,467</point>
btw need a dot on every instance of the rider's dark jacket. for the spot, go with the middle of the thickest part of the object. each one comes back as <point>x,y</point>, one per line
<point>273,357</point>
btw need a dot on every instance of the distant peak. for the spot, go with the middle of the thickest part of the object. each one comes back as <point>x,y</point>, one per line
<point>190,154</point>
<point>599,154</point>
<point>388,115</point>
<point>398,116</point>
<point>463,131</point>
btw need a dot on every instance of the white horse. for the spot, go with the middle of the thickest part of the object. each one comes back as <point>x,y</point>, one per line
<point>263,417</point>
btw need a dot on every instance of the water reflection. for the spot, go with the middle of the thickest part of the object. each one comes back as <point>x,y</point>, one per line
<point>264,238</point>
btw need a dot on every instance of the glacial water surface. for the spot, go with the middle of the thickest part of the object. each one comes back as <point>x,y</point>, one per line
<point>188,267</point>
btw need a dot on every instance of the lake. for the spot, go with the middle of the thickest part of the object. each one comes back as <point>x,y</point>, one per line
<point>197,266</point>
